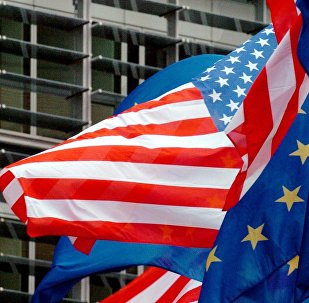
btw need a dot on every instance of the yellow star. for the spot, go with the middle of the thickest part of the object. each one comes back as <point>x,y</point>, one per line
<point>254,236</point>
<point>212,258</point>
<point>290,197</point>
<point>302,151</point>
<point>301,111</point>
<point>293,264</point>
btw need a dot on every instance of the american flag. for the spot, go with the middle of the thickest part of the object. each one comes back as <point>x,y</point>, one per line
<point>160,286</point>
<point>157,173</point>
<point>152,174</point>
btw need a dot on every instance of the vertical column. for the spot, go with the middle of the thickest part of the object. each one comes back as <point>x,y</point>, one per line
<point>124,79</point>
<point>172,31</point>
<point>33,74</point>
<point>31,278</point>
<point>141,58</point>
<point>83,11</point>
<point>261,11</point>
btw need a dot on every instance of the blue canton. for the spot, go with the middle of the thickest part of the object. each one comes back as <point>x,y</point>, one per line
<point>225,85</point>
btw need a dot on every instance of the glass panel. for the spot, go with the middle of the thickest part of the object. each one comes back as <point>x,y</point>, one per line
<point>101,291</point>
<point>100,112</point>
<point>56,106</point>
<point>58,38</point>
<point>9,276</point>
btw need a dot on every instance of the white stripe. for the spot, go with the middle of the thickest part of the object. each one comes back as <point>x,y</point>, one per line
<point>156,290</point>
<point>124,212</point>
<point>280,88</point>
<point>72,239</point>
<point>303,91</point>
<point>172,175</point>
<point>213,140</point>
<point>177,89</point>
<point>280,97</point>
<point>237,120</point>
<point>189,286</point>
<point>157,115</point>
<point>12,192</point>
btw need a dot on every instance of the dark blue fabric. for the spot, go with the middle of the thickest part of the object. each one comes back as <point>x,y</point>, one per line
<point>303,48</point>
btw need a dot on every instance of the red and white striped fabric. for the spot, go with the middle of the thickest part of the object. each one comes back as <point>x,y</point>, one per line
<point>272,102</point>
<point>157,173</point>
<point>157,285</point>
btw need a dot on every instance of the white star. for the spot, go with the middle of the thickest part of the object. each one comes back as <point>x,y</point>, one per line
<point>246,78</point>
<point>215,96</point>
<point>228,70</point>
<point>240,91</point>
<point>257,54</point>
<point>207,77</point>
<point>251,66</point>
<point>209,69</point>
<point>226,119</point>
<point>268,31</point>
<point>222,81</point>
<point>233,105</point>
<point>263,42</point>
<point>240,49</point>
<point>233,59</point>
<point>247,41</point>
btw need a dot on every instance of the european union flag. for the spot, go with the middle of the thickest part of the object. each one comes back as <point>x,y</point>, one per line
<point>257,252</point>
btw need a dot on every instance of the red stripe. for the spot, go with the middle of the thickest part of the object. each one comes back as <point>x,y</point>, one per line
<point>234,193</point>
<point>191,296</point>
<point>19,208</point>
<point>188,127</point>
<point>220,157</point>
<point>84,245</point>
<point>256,131</point>
<point>80,189</point>
<point>127,232</point>
<point>282,16</point>
<point>6,179</point>
<point>171,294</point>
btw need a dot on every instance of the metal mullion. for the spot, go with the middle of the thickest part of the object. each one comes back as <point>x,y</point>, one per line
<point>33,74</point>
